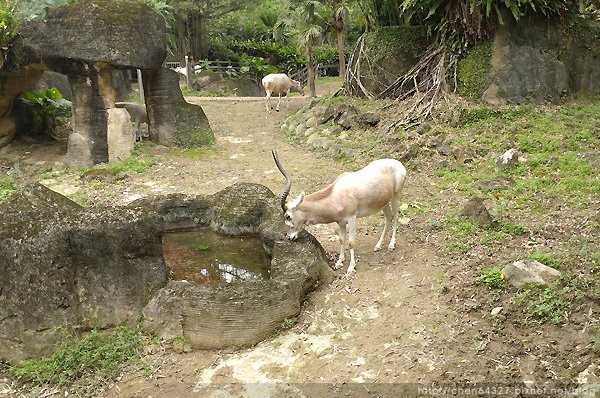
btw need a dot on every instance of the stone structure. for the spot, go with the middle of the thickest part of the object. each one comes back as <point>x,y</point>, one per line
<point>238,314</point>
<point>537,60</point>
<point>115,35</point>
<point>534,60</point>
<point>171,120</point>
<point>63,265</point>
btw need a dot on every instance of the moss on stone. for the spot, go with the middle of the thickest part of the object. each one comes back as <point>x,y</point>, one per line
<point>473,69</point>
<point>193,137</point>
<point>109,10</point>
<point>391,40</point>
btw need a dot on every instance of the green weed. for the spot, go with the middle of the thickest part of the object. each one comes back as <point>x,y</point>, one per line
<point>7,187</point>
<point>493,279</point>
<point>86,362</point>
<point>545,258</point>
<point>544,304</point>
<point>288,323</point>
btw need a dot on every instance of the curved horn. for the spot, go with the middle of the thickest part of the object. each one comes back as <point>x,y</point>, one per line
<point>288,181</point>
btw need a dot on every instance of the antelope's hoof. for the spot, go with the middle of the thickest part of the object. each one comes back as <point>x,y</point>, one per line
<point>377,248</point>
<point>391,248</point>
<point>338,264</point>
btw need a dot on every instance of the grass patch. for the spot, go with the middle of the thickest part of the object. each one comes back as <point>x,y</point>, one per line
<point>137,163</point>
<point>545,258</point>
<point>81,199</point>
<point>548,304</point>
<point>193,153</point>
<point>84,364</point>
<point>544,304</point>
<point>7,187</point>
<point>493,279</point>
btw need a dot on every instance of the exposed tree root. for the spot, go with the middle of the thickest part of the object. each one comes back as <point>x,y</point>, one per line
<point>421,88</point>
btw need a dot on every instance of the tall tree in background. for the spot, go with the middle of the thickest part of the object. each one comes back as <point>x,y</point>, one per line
<point>191,21</point>
<point>309,36</point>
<point>340,12</point>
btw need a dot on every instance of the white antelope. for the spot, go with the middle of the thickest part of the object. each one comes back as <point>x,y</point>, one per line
<point>280,84</point>
<point>351,196</point>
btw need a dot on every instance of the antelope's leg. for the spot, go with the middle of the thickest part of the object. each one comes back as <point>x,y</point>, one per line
<point>278,102</point>
<point>395,204</point>
<point>269,101</point>
<point>388,219</point>
<point>343,242</point>
<point>351,242</point>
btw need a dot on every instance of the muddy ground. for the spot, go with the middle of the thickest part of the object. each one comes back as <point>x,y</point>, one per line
<point>402,318</point>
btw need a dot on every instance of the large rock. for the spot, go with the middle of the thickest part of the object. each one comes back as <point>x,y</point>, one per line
<point>475,210</point>
<point>237,314</point>
<point>63,265</point>
<point>542,60</point>
<point>173,121</point>
<point>120,33</point>
<point>527,272</point>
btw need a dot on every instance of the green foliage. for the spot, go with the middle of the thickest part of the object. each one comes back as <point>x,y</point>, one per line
<point>83,363</point>
<point>7,187</point>
<point>460,24</point>
<point>200,247</point>
<point>255,67</point>
<point>9,22</point>
<point>288,323</point>
<point>135,163</point>
<point>138,162</point>
<point>493,279</point>
<point>284,57</point>
<point>545,304</point>
<point>472,70</point>
<point>545,258</point>
<point>49,107</point>
<point>387,41</point>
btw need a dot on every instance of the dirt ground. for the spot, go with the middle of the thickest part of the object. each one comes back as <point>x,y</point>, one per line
<point>392,327</point>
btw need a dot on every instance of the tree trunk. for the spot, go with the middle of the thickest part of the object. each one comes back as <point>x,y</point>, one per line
<point>341,54</point>
<point>311,70</point>
<point>199,42</point>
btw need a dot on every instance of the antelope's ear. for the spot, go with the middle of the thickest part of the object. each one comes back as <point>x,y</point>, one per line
<point>293,205</point>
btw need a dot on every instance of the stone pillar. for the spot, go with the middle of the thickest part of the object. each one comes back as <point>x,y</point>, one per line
<point>171,120</point>
<point>93,95</point>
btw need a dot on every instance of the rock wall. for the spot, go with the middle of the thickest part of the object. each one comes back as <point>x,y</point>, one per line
<point>63,265</point>
<point>539,60</point>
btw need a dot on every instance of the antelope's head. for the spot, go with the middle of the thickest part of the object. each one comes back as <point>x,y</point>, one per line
<point>294,218</point>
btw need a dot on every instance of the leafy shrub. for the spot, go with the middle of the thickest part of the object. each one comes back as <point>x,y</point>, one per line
<point>49,107</point>
<point>493,279</point>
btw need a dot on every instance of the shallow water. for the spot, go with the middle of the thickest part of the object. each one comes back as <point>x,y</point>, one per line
<point>206,257</point>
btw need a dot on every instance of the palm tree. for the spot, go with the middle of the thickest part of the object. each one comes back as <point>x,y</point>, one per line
<point>340,12</point>
<point>309,36</point>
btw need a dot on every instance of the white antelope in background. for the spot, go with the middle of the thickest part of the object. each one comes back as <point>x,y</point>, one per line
<point>280,84</point>
<point>351,196</point>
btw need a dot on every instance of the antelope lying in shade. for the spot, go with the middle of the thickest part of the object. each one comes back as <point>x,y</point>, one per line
<point>351,196</point>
